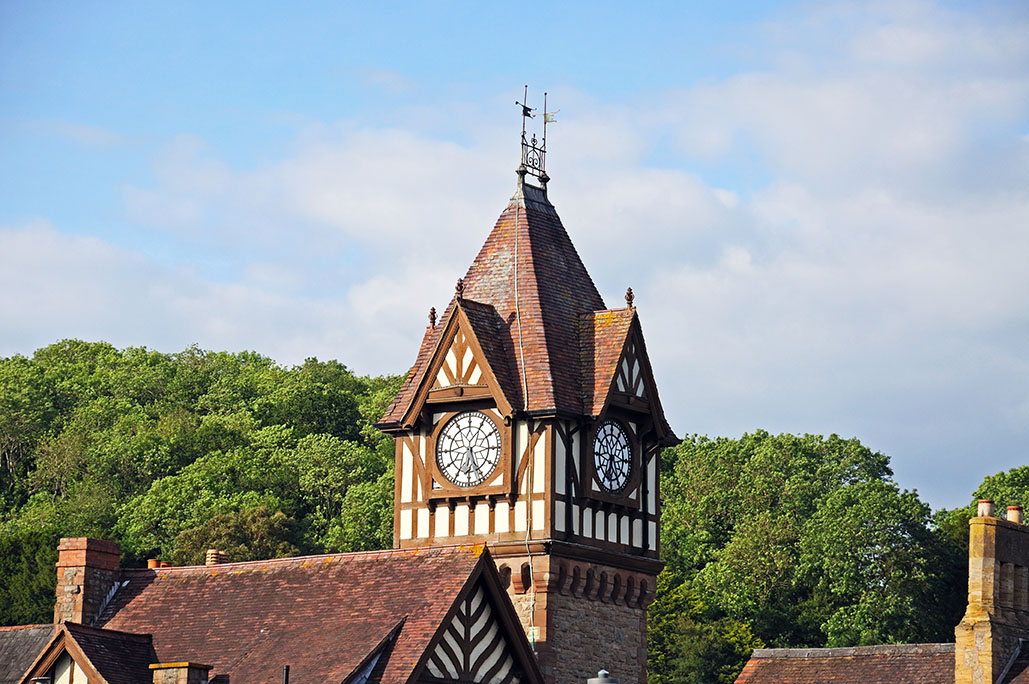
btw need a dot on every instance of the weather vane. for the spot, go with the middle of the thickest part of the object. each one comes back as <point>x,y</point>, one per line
<point>534,151</point>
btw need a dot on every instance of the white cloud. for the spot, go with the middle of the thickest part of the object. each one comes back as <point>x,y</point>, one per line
<point>871,281</point>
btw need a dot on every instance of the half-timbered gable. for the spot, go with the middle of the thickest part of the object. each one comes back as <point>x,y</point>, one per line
<point>480,641</point>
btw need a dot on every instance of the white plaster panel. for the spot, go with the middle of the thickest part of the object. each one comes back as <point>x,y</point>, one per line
<point>80,675</point>
<point>406,518</point>
<point>637,532</point>
<point>423,523</point>
<point>587,523</point>
<point>521,516</point>
<point>62,669</point>
<point>461,514</point>
<point>559,516</point>
<point>576,441</point>
<point>442,379</point>
<point>598,525</point>
<point>612,527</point>
<point>502,522</point>
<point>539,515</point>
<point>653,535</point>
<point>624,522</point>
<point>406,470</point>
<point>475,375</point>
<point>539,481</point>
<point>619,384</point>
<point>442,521</point>
<point>482,518</point>
<point>575,519</point>
<point>468,359</point>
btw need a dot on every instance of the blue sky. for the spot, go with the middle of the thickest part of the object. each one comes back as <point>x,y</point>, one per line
<point>822,207</point>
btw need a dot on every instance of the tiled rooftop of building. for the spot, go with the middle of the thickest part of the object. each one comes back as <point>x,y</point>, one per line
<point>923,663</point>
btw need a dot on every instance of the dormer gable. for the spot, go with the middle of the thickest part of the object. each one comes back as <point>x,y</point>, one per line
<point>468,362</point>
<point>78,654</point>
<point>617,368</point>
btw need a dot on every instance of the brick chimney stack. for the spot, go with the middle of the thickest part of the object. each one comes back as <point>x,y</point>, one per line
<point>87,571</point>
<point>997,615</point>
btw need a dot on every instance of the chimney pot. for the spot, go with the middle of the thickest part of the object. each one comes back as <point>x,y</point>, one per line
<point>216,557</point>
<point>153,563</point>
<point>1015,514</point>
<point>165,564</point>
<point>985,508</point>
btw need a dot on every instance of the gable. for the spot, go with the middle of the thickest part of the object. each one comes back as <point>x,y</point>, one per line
<point>474,645</point>
<point>629,376</point>
<point>78,654</point>
<point>469,361</point>
<point>460,365</point>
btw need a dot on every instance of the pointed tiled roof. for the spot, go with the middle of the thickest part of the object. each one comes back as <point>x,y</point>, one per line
<point>323,615</point>
<point>528,247</point>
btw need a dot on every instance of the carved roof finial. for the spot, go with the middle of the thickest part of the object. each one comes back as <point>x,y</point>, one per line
<point>459,288</point>
<point>629,297</point>
<point>432,317</point>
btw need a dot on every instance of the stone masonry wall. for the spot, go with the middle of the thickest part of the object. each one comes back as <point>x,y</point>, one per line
<point>586,617</point>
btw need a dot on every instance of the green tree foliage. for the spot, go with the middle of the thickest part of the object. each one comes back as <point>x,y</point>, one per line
<point>791,541</point>
<point>172,454</point>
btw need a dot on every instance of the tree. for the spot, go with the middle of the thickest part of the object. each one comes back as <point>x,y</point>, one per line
<point>799,541</point>
<point>168,454</point>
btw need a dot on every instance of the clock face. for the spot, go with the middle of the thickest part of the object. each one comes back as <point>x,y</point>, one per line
<point>612,456</point>
<point>468,448</point>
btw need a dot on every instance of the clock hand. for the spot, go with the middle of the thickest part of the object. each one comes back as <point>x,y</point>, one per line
<point>468,463</point>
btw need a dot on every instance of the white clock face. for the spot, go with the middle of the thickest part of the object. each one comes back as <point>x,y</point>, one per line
<point>468,448</point>
<point>612,456</point>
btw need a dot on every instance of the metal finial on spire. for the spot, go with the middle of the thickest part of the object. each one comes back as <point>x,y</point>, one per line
<point>534,151</point>
<point>629,297</point>
<point>459,288</point>
<point>432,317</point>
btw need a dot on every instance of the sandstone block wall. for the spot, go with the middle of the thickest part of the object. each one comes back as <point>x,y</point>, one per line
<point>582,617</point>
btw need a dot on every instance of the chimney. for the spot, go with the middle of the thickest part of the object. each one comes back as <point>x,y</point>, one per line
<point>180,673</point>
<point>997,615</point>
<point>87,574</point>
<point>216,557</point>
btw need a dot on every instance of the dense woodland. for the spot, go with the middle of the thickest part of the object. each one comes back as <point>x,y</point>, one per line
<point>769,540</point>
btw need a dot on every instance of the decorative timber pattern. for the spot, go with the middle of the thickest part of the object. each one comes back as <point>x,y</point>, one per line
<point>473,647</point>
<point>460,366</point>
<point>629,379</point>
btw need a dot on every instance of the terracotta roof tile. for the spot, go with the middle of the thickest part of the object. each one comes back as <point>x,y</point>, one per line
<point>923,663</point>
<point>601,342</point>
<point>494,336</point>
<point>322,615</point>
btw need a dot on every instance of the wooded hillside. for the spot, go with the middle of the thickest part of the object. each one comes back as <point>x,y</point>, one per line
<point>769,540</point>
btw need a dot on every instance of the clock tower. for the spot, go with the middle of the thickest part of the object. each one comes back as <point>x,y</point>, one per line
<point>531,421</point>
